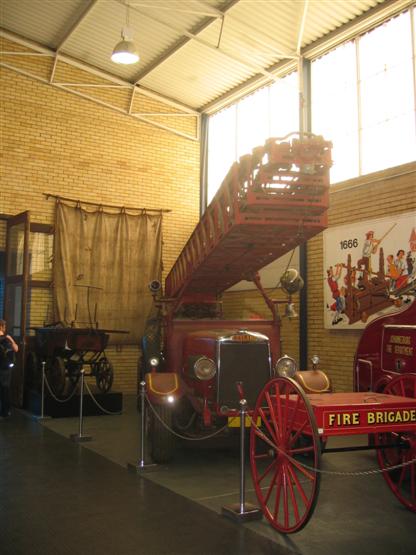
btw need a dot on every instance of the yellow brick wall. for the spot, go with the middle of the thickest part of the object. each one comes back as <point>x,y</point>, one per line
<point>58,143</point>
<point>54,142</point>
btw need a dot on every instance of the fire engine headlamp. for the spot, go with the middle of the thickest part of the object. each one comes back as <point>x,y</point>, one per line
<point>315,360</point>
<point>285,367</point>
<point>205,368</point>
<point>154,361</point>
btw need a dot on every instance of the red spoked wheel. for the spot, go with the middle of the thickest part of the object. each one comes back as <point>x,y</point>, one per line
<point>285,455</point>
<point>402,480</point>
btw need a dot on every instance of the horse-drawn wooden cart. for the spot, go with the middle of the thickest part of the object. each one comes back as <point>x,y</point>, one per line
<point>286,448</point>
<point>66,351</point>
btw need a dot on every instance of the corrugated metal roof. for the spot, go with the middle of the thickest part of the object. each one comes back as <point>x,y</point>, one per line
<point>189,51</point>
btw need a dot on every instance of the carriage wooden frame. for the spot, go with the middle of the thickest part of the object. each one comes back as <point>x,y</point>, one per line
<point>66,351</point>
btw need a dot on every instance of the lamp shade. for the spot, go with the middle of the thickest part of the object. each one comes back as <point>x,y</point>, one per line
<point>125,52</point>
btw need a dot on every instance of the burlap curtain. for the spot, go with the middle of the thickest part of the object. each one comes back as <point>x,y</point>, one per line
<point>103,263</point>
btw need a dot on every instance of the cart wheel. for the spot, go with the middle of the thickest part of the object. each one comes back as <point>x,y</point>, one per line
<point>402,481</point>
<point>104,374</point>
<point>285,474</point>
<point>74,377</point>
<point>33,371</point>
<point>55,374</point>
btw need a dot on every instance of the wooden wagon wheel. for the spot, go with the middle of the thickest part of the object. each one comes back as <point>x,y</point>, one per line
<point>104,374</point>
<point>33,371</point>
<point>56,375</point>
<point>402,481</point>
<point>285,481</point>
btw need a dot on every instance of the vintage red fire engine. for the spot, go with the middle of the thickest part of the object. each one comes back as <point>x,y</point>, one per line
<point>270,201</point>
<point>387,348</point>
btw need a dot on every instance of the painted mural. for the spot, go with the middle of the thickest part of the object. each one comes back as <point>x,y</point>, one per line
<point>369,270</point>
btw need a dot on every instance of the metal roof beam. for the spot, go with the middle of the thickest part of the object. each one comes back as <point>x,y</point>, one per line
<point>180,43</point>
<point>76,22</point>
<point>302,26</point>
<point>172,8</point>
<point>205,43</point>
<point>254,33</point>
<point>94,71</point>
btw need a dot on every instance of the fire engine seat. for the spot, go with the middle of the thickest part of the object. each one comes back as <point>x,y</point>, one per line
<point>313,381</point>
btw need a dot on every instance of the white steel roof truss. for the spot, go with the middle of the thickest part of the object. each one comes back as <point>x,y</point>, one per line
<point>184,40</point>
<point>114,82</point>
<point>254,35</point>
<point>74,26</point>
<point>302,26</point>
<point>205,43</point>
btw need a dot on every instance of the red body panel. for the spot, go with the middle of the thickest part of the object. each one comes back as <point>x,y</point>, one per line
<point>179,330</point>
<point>362,413</point>
<point>387,348</point>
<point>187,338</point>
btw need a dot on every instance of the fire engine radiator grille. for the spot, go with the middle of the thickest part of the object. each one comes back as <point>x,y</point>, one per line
<point>242,362</point>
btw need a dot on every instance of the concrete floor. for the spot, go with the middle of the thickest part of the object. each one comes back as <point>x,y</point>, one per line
<point>58,498</point>
<point>354,514</point>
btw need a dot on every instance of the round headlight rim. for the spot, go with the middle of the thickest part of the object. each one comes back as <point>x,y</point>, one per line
<point>280,364</point>
<point>154,361</point>
<point>205,377</point>
<point>315,360</point>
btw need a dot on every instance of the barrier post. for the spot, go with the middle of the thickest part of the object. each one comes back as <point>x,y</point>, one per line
<point>42,396</point>
<point>242,511</point>
<point>141,464</point>
<point>80,437</point>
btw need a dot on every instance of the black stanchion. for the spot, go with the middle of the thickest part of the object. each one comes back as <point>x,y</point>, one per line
<point>42,397</point>
<point>242,511</point>
<point>80,437</point>
<point>141,465</point>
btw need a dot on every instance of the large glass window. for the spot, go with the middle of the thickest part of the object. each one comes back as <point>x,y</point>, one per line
<point>386,90</point>
<point>222,148</point>
<point>269,112</point>
<point>284,106</point>
<point>363,99</point>
<point>253,121</point>
<point>334,108</point>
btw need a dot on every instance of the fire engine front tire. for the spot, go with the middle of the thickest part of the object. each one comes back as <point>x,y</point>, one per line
<point>162,440</point>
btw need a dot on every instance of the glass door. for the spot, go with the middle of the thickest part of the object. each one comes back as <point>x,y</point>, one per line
<point>16,293</point>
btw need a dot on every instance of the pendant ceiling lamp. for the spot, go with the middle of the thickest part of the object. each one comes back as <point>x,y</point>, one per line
<point>125,51</point>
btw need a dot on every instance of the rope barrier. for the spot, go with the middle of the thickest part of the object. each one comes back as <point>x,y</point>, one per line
<point>187,438</point>
<point>55,397</point>
<point>217,432</point>
<point>322,471</point>
<point>73,393</point>
<point>276,448</point>
<point>87,387</point>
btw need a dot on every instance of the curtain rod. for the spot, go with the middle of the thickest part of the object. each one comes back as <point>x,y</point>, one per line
<point>98,204</point>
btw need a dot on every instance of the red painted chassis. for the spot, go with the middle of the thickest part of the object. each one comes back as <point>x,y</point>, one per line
<point>285,450</point>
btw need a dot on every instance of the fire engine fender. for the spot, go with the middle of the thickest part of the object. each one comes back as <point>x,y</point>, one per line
<point>163,387</point>
<point>313,381</point>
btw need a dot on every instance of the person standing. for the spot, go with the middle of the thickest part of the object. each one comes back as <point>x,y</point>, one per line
<point>369,247</point>
<point>8,347</point>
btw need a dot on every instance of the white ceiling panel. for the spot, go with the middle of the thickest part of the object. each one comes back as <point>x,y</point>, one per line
<point>196,52</point>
